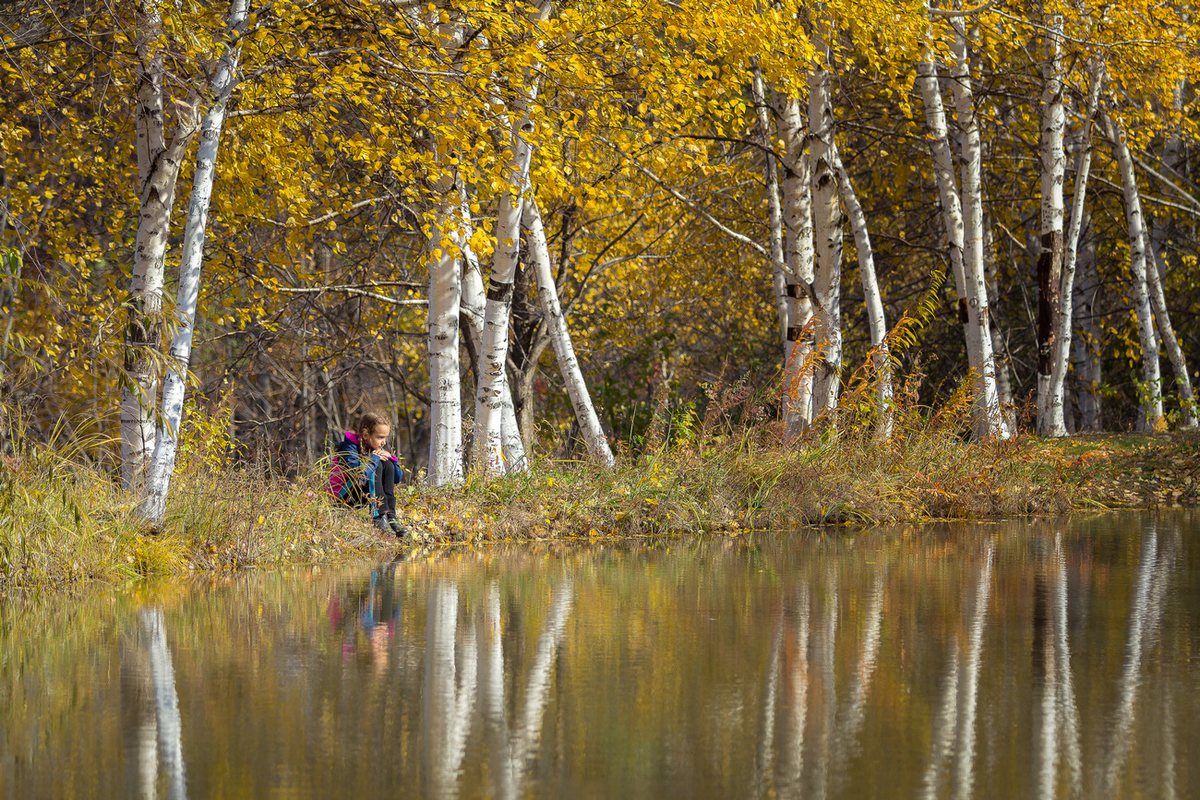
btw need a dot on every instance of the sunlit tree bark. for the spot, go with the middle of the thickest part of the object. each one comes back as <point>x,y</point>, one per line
<point>158,172</point>
<point>1052,408</point>
<point>827,238</point>
<point>165,446</point>
<point>1053,292</point>
<point>799,257</point>
<point>1151,407</point>
<point>560,337</point>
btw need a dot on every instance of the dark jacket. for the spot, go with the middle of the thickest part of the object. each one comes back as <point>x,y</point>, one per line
<point>353,474</point>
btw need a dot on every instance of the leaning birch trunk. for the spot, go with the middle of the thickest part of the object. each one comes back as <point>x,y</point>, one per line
<point>445,388</point>
<point>1158,302</point>
<point>490,382</point>
<point>158,172</point>
<point>799,257</point>
<point>1004,386</point>
<point>774,207</point>
<point>951,203</point>
<point>1056,388</point>
<point>876,321</point>
<point>991,417</point>
<point>1051,293</point>
<point>1150,405</point>
<point>165,447</point>
<point>1085,350</point>
<point>827,238</point>
<point>560,338</point>
<point>473,308</point>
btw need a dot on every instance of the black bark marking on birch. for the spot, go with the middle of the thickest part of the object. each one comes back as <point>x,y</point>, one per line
<point>794,332</point>
<point>500,292</point>
<point>963,315</point>
<point>796,291</point>
<point>1048,298</point>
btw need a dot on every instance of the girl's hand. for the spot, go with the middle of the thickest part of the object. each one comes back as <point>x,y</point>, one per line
<point>383,454</point>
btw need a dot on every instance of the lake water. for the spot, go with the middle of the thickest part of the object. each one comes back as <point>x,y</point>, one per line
<point>1008,660</point>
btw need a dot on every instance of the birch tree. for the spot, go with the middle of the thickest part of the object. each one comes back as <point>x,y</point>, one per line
<point>827,237</point>
<point>165,447</point>
<point>472,310</point>
<point>158,162</point>
<point>445,297</point>
<point>489,393</point>
<point>774,206</point>
<point>876,321</point>
<point>971,175</point>
<point>1150,405</point>
<point>560,337</point>
<point>1061,342</point>
<point>1051,294</point>
<point>799,259</point>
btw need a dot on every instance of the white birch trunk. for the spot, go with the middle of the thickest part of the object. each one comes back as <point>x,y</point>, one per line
<point>158,173</point>
<point>799,257</point>
<point>1085,342</point>
<point>445,375</point>
<point>1053,292</point>
<point>1155,269</point>
<point>174,390</point>
<point>473,309</point>
<point>947,184</point>
<point>1056,387</point>
<point>490,396</point>
<point>774,207</point>
<point>560,338</point>
<point>991,418</point>
<point>876,321</point>
<point>827,238</point>
<point>1150,400</point>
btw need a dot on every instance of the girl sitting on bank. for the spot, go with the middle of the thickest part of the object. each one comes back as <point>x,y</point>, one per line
<point>365,474</point>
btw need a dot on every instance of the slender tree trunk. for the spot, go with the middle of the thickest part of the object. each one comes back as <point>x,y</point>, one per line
<point>1052,293</point>
<point>876,321</point>
<point>1004,385</point>
<point>490,382</point>
<point>991,423</point>
<point>774,207</point>
<point>165,447</point>
<point>473,309</point>
<point>1158,302</point>
<point>951,203</point>
<point>560,338</point>
<point>158,172</point>
<point>1151,407</point>
<point>1086,342</point>
<point>1056,386</point>
<point>445,374</point>
<point>827,237</point>
<point>799,257</point>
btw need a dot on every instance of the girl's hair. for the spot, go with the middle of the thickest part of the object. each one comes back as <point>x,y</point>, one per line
<point>371,420</point>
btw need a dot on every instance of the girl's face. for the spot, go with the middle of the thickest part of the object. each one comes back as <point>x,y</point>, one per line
<point>375,439</point>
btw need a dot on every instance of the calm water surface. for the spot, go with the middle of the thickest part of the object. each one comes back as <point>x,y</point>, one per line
<point>1010,660</point>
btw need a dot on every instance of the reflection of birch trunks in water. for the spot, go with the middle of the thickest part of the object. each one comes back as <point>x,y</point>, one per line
<point>1058,717</point>
<point>954,728</point>
<point>448,699</point>
<point>161,735</point>
<point>1144,619</point>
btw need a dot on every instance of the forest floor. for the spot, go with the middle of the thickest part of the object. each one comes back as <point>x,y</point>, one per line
<point>64,524</point>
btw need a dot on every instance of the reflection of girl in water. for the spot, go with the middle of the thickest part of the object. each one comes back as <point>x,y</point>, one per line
<point>376,614</point>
